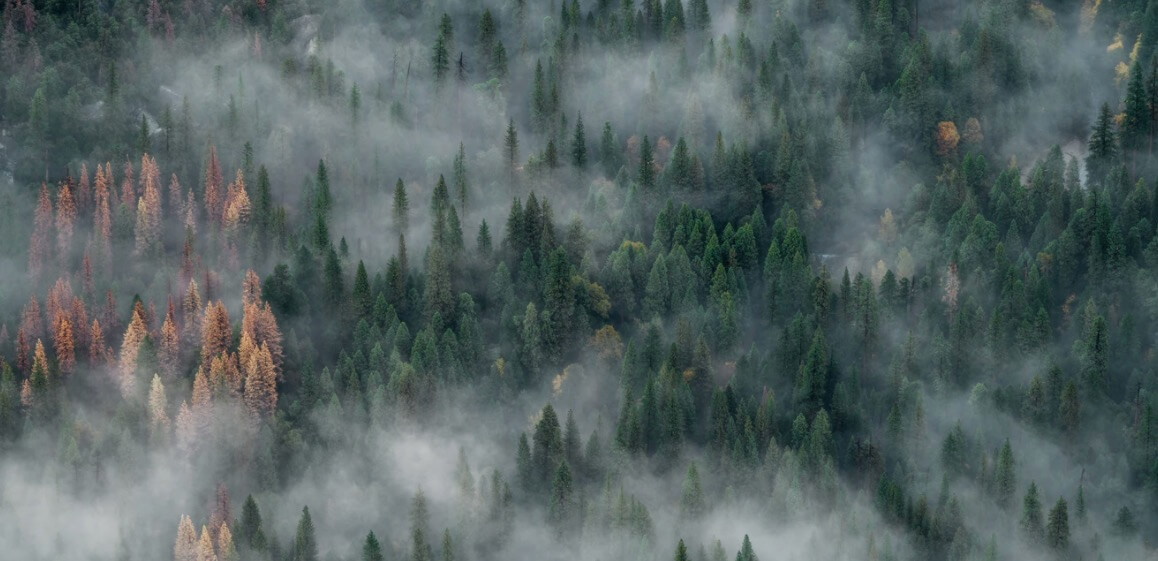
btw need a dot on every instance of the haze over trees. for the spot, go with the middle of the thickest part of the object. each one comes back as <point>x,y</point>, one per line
<point>296,280</point>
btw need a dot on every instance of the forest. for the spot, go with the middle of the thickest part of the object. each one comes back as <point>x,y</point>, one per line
<point>690,280</point>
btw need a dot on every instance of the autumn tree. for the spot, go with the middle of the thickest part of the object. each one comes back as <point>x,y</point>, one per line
<point>39,248</point>
<point>65,220</point>
<point>185,548</point>
<point>65,345</point>
<point>130,346</point>
<point>216,332</point>
<point>214,197</point>
<point>260,385</point>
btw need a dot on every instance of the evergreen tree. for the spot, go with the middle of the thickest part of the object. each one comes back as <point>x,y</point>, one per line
<point>372,550</point>
<point>1031,518</point>
<point>579,145</point>
<point>305,546</point>
<point>1058,527</point>
<point>646,176</point>
<point>1102,146</point>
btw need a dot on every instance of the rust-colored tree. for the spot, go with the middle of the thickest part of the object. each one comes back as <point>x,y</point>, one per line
<point>220,512</point>
<point>260,385</point>
<point>147,234</point>
<point>128,190</point>
<point>83,193</point>
<point>98,353</point>
<point>39,250</point>
<point>214,198</point>
<point>169,349</point>
<point>30,321</point>
<point>259,322</point>
<point>40,374</point>
<point>215,331</point>
<point>22,351</point>
<point>102,217</point>
<point>946,138</point>
<point>176,199</point>
<point>250,288</point>
<point>130,348</point>
<point>79,319</point>
<point>64,345</point>
<point>191,313</point>
<point>65,221</point>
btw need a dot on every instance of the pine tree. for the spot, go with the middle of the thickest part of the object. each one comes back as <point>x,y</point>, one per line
<point>1005,478</point>
<point>440,59</point>
<point>1058,527</point>
<point>401,209</point>
<point>305,546</point>
<point>260,385</point>
<point>130,346</point>
<point>214,197</point>
<point>249,527</point>
<point>205,550</point>
<point>579,145</point>
<point>1031,519</point>
<point>158,418</point>
<point>216,333</point>
<point>692,497</point>
<point>1136,124</point>
<point>646,176</point>
<point>511,145</point>
<point>681,552</point>
<point>1102,146</point>
<point>185,547</point>
<point>461,187</point>
<point>371,549</point>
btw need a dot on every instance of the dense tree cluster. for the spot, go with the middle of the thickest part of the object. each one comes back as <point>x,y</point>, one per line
<point>797,269</point>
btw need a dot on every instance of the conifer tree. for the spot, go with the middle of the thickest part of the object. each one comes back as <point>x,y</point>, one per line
<point>579,145</point>
<point>305,546</point>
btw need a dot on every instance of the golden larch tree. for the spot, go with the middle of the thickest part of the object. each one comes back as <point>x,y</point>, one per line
<point>185,548</point>
<point>260,385</point>
<point>216,332</point>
